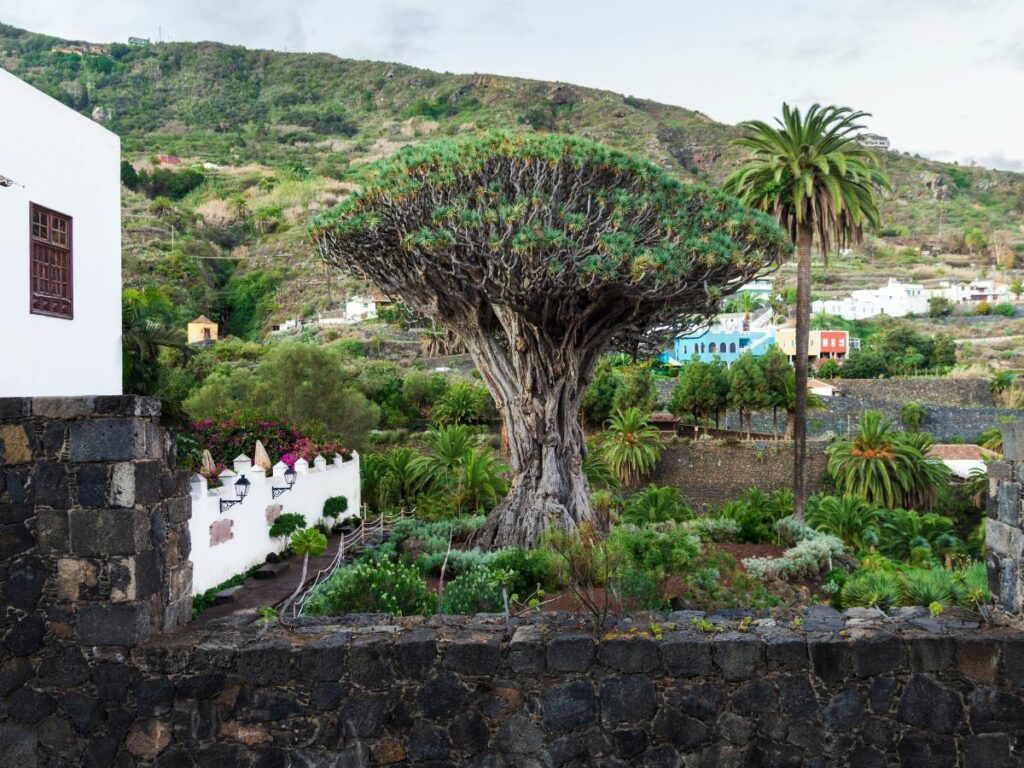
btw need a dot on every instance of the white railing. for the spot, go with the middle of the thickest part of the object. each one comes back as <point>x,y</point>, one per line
<point>231,537</point>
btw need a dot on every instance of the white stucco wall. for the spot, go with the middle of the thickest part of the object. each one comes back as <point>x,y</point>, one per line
<point>250,541</point>
<point>69,164</point>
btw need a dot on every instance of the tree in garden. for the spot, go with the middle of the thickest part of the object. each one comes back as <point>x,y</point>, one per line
<point>631,446</point>
<point>776,369</point>
<point>746,302</point>
<point>308,542</point>
<point>748,391</point>
<point>702,390</point>
<point>813,176</point>
<point>637,389</point>
<point>146,329</point>
<point>596,405</point>
<point>540,252</point>
<point>1017,287</point>
<point>884,466</point>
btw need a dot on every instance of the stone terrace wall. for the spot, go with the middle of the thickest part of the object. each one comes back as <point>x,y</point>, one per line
<point>852,691</point>
<point>712,472</point>
<point>1004,527</point>
<point>935,391</point>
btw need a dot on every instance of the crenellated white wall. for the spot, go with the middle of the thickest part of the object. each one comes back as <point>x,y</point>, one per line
<point>60,160</point>
<point>250,541</point>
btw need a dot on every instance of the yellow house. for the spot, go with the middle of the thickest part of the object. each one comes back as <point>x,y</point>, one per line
<point>202,329</point>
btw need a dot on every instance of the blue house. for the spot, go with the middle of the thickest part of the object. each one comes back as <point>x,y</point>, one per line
<point>726,345</point>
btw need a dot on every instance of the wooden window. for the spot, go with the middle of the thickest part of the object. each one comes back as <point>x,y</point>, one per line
<point>51,275</point>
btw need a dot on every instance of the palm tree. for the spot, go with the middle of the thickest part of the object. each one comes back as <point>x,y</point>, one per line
<point>145,330</point>
<point>656,504</point>
<point>481,484</point>
<point>785,397</point>
<point>307,542</point>
<point>812,175</point>
<point>885,466</point>
<point>851,518</point>
<point>631,445</point>
<point>746,302</point>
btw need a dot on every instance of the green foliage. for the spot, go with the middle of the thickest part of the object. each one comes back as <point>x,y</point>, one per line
<point>911,537</point>
<point>463,403</point>
<point>148,332</point>
<point>533,568</point>
<point>913,415</point>
<point>939,306</point>
<point>475,591</point>
<point>287,524</point>
<point>851,519</point>
<point>597,404</point>
<point>1004,310</point>
<point>756,513</point>
<point>864,363</point>
<point>702,390</point>
<point>885,466</point>
<point>308,541</point>
<point>662,552</point>
<point>422,390</point>
<point>335,507</point>
<point>656,504</point>
<point>871,589</point>
<point>641,590</point>
<point>889,585</point>
<point>636,390</point>
<point>380,586</point>
<point>248,302</point>
<point>748,390</point>
<point>631,446</point>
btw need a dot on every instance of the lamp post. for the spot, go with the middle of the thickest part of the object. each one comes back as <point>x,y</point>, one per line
<point>241,490</point>
<point>289,477</point>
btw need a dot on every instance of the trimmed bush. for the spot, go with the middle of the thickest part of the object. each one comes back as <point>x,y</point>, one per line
<point>373,586</point>
<point>475,591</point>
<point>335,507</point>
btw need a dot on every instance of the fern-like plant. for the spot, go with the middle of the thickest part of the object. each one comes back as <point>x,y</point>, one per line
<point>631,446</point>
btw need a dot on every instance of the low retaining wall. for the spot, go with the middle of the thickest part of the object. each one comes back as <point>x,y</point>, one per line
<point>230,542</point>
<point>857,690</point>
<point>709,473</point>
<point>938,391</point>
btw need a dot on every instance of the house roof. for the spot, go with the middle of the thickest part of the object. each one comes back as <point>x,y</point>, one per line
<point>961,452</point>
<point>819,383</point>
<point>204,319</point>
<point>662,417</point>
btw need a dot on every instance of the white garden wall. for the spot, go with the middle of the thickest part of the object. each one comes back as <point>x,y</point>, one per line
<point>61,160</point>
<point>230,542</point>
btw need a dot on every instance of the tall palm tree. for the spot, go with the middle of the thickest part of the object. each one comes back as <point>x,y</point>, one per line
<point>631,446</point>
<point>746,302</point>
<point>146,328</point>
<point>812,175</point>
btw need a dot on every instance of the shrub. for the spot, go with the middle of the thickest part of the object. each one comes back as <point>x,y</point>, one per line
<point>913,416</point>
<point>807,559</point>
<point>919,586</point>
<point>476,591</point>
<point>459,561</point>
<point>533,569</point>
<point>380,586</point>
<point>641,590</point>
<point>656,504</point>
<point>287,524</point>
<point>1005,309</point>
<point>714,528</point>
<point>335,507</point>
<point>463,403</point>
<point>660,552</point>
<point>983,308</point>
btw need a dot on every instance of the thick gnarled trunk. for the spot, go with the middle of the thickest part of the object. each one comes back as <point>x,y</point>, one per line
<point>538,386</point>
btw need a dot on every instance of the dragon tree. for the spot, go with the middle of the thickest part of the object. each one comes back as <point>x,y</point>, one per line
<point>541,252</point>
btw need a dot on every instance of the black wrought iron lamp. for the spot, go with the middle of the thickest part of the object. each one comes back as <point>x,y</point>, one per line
<point>289,477</point>
<point>241,490</point>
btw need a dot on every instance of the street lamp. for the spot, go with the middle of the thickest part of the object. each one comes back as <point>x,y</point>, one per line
<point>241,490</point>
<point>289,477</point>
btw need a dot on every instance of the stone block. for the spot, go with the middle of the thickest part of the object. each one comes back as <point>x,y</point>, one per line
<point>127,405</point>
<point>738,656</point>
<point>629,654</point>
<point>24,583</point>
<point>111,439</point>
<point>474,654</point>
<point>627,699</point>
<point>178,510</point>
<point>570,652</point>
<point>15,539</point>
<point>787,652</point>
<point>929,706</point>
<point>13,408</point>
<point>442,696</point>
<point>526,650</point>
<point>1008,586</point>
<point>15,446</point>
<point>179,581</point>
<point>108,531</point>
<point>994,711</point>
<point>121,492</point>
<point>570,706</point>
<point>50,484</point>
<point>686,655</point>
<point>52,532</point>
<point>979,660</point>
<point>990,750</point>
<point>148,476</point>
<point>1013,440</point>
<point>77,579</point>
<point>1008,503</point>
<point>370,663</point>
<point>62,408</point>
<point>877,656</point>
<point>177,613</point>
<point>932,654</point>
<point>415,653</point>
<point>125,624</point>
<point>264,663</point>
<point>92,481</point>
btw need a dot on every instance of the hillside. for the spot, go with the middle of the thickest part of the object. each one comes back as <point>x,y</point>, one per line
<point>278,136</point>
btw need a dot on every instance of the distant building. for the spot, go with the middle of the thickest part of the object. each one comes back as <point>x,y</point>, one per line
<point>895,299</point>
<point>721,343</point>
<point>287,326</point>
<point>962,458</point>
<point>168,160</point>
<point>820,388</point>
<point>990,291</point>
<point>139,41</point>
<point>821,344</point>
<point>873,140</point>
<point>202,329</point>
<point>760,287</point>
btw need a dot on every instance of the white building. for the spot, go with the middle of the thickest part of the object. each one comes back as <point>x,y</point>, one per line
<point>360,308</point>
<point>60,248</point>
<point>873,140</point>
<point>761,287</point>
<point>990,291</point>
<point>895,299</point>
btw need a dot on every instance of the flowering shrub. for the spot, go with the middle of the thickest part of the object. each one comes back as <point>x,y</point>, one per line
<point>373,586</point>
<point>228,438</point>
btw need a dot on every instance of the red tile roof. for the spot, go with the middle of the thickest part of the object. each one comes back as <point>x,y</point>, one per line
<point>961,452</point>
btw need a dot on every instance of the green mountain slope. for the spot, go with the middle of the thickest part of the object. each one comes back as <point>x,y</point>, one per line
<point>291,133</point>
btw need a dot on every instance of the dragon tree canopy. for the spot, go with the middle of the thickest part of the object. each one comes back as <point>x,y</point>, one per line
<point>539,252</point>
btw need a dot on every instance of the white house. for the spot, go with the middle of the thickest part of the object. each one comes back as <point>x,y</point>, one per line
<point>761,287</point>
<point>895,299</point>
<point>991,291</point>
<point>360,308</point>
<point>962,459</point>
<point>60,248</point>
<point>873,140</point>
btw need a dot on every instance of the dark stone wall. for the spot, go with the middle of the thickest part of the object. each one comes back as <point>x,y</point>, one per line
<point>1004,526</point>
<point>93,529</point>
<point>712,472</point>
<point>935,391</point>
<point>853,690</point>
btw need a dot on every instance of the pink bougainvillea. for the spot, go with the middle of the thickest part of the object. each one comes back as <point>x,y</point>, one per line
<point>227,438</point>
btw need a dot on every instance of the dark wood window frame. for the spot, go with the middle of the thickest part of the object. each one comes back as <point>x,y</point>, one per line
<point>51,263</point>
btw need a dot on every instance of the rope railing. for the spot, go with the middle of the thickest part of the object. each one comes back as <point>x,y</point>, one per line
<point>374,533</point>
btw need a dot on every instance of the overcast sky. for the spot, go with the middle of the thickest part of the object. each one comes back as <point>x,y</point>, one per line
<point>942,77</point>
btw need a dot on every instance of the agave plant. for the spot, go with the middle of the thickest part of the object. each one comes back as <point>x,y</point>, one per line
<point>871,589</point>
<point>850,518</point>
<point>656,504</point>
<point>631,446</point>
<point>920,586</point>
